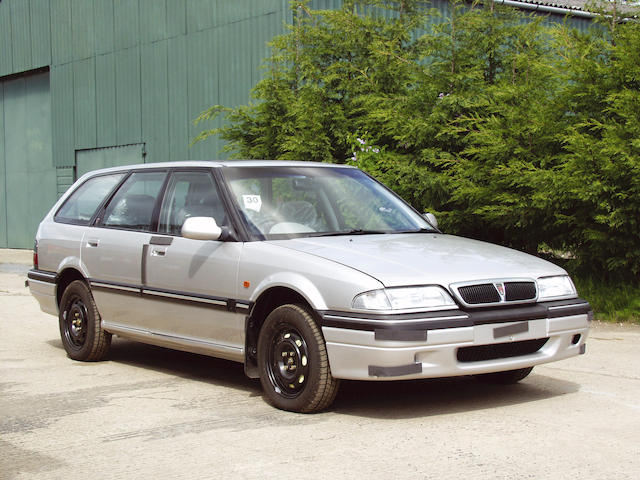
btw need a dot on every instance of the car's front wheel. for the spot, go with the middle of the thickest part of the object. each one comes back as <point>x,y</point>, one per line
<point>293,361</point>
<point>82,335</point>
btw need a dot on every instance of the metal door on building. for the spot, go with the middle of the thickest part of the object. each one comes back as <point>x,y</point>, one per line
<point>95,158</point>
<point>27,175</point>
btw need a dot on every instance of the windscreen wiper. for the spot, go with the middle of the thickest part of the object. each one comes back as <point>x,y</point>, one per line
<point>355,231</point>
<point>419,230</point>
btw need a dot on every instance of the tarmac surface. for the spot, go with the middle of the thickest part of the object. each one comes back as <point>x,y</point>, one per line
<point>149,412</point>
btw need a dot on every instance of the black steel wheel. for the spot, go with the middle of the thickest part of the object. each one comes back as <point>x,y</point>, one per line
<point>505,378</point>
<point>293,362</point>
<point>75,323</point>
<point>288,365</point>
<point>80,329</point>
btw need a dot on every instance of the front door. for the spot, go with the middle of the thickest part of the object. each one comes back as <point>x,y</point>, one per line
<point>193,283</point>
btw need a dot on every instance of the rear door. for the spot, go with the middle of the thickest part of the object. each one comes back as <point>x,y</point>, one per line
<point>112,251</point>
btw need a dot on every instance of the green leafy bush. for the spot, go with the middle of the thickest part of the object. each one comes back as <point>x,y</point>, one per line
<point>510,129</point>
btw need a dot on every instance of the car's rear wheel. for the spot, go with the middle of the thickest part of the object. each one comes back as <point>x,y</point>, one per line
<point>505,378</point>
<point>293,363</point>
<point>82,335</point>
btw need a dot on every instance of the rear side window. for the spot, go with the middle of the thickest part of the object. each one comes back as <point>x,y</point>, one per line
<point>133,204</point>
<point>83,203</point>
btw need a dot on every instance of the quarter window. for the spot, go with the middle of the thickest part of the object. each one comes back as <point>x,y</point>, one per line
<point>83,203</point>
<point>132,206</point>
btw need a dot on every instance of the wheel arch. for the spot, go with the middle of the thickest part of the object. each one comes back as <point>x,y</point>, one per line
<point>64,278</point>
<point>267,301</point>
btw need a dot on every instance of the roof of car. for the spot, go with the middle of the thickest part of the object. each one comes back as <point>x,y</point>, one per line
<point>218,164</point>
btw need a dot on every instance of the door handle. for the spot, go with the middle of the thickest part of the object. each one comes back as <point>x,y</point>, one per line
<point>93,243</point>
<point>158,253</point>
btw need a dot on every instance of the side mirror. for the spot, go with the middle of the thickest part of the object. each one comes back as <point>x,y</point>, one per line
<point>201,228</point>
<point>431,218</point>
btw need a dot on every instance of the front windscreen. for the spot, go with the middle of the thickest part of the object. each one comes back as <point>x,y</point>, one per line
<point>283,202</point>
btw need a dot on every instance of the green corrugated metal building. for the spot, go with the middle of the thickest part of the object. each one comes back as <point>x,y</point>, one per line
<point>92,83</point>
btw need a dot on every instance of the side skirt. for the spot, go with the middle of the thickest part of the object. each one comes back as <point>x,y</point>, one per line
<point>192,345</point>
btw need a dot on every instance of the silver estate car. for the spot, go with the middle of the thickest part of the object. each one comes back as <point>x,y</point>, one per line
<point>307,273</point>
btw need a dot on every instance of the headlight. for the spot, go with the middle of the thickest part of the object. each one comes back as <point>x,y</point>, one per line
<point>555,287</point>
<point>404,298</point>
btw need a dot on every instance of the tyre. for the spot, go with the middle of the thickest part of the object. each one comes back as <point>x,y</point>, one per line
<point>505,378</point>
<point>293,363</point>
<point>82,335</point>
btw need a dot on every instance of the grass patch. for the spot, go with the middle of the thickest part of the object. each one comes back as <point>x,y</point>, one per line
<point>611,302</point>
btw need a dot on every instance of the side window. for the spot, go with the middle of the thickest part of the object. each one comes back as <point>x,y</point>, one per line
<point>82,204</point>
<point>190,194</point>
<point>132,205</point>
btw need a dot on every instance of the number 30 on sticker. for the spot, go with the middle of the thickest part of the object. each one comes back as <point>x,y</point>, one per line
<point>252,202</point>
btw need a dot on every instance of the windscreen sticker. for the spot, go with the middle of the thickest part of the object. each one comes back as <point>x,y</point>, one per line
<point>252,202</point>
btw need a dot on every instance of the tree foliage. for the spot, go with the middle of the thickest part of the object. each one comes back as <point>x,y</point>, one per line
<point>510,129</point>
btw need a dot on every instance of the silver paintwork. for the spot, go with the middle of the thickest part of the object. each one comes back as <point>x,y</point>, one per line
<point>424,259</point>
<point>45,294</point>
<point>171,308</point>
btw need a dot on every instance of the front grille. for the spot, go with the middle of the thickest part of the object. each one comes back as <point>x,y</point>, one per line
<point>519,291</point>
<point>481,353</point>
<point>482,293</point>
<point>488,293</point>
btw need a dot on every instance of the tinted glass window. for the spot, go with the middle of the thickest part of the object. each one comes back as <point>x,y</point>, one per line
<point>190,194</point>
<point>132,205</point>
<point>82,204</point>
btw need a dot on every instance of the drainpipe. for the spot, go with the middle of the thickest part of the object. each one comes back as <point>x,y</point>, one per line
<point>547,9</point>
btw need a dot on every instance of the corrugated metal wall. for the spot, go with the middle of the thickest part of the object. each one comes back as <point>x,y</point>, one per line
<point>138,71</point>
<point>129,72</point>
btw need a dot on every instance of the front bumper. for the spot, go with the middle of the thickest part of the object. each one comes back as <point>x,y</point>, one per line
<point>453,343</point>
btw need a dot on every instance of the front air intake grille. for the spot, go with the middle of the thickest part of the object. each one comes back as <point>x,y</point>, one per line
<point>482,353</point>
<point>482,293</point>
<point>515,291</point>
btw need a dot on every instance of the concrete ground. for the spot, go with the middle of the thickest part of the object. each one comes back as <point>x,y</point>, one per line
<point>148,412</point>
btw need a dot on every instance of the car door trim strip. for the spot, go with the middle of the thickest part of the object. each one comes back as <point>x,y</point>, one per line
<point>114,286</point>
<point>228,304</point>
<point>180,296</point>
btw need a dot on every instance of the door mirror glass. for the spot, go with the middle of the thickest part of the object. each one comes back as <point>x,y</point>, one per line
<point>431,218</point>
<point>201,228</point>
